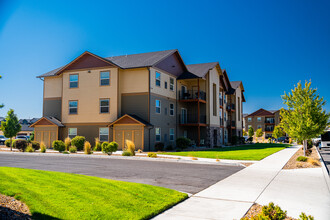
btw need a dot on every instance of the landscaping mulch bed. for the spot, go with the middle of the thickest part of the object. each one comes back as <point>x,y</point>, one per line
<point>255,210</point>
<point>294,164</point>
<point>10,208</point>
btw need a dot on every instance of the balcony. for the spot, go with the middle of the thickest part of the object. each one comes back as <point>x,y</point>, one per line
<point>269,129</point>
<point>192,95</point>
<point>231,107</point>
<point>221,121</point>
<point>192,120</point>
<point>269,121</point>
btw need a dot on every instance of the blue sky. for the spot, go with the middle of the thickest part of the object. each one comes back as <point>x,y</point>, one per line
<point>269,45</point>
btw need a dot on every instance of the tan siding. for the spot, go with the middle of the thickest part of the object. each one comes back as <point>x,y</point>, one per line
<point>160,90</point>
<point>133,80</point>
<point>53,87</point>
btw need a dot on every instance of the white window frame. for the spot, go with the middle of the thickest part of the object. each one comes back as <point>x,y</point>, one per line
<point>73,134</point>
<point>107,129</point>
<point>104,78</point>
<point>171,84</point>
<point>73,107</point>
<point>158,79</point>
<point>77,81</point>
<point>171,109</point>
<point>160,134</point>
<point>104,106</point>
<point>172,135</point>
<point>160,106</point>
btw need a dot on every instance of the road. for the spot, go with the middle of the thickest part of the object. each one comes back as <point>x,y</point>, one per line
<point>325,153</point>
<point>185,177</point>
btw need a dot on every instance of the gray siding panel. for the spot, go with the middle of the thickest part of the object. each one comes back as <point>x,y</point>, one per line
<point>52,107</point>
<point>136,105</point>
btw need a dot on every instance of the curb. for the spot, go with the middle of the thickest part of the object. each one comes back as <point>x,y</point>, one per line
<point>325,170</point>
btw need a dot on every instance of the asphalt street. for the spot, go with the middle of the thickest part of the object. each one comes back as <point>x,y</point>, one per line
<point>185,177</point>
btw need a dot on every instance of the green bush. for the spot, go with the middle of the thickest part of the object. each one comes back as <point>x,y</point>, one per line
<point>20,144</point>
<point>73,149</point>
<point>29,148</point>
<point>65,152</point>
<point>42,148</point>
<point>7,143</point>
<point>303,216</point>
<point>127,153</point>
<point>272,212</point>
<point>249,140</point>
<point>104,146</point>
<point>98,146</point>
<point>109,148</point>
<point>114,146</point>
<point>182,142</point>
<point>234,140</point>
<point>35,145</point>
<point>78,142</point>
<point>302,159</point>
<point>58,145</point>
<point>169,147</point>
<point>159,146</point>
<point>150,154</point>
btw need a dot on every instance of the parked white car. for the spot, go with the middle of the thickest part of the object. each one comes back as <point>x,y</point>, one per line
<point>325,140</point>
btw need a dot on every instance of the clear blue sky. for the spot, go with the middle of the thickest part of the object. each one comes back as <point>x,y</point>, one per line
<point>269,45</point>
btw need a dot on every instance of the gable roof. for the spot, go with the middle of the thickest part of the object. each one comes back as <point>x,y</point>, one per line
<point>124,61</point>
<point>134,118</point>
<point>235,84</point>
<point>261,112</point>
<point>201,69</point>
<point>50,119</point>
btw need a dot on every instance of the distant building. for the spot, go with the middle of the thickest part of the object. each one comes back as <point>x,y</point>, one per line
<point>264,119</point>
<point>25,123</point>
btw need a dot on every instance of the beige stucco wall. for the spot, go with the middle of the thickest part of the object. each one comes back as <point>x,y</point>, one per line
<point>160,90</point>
<point>213,78</point>
<point>133,80</point>
<point>53,87</point>
<point>88,95</point>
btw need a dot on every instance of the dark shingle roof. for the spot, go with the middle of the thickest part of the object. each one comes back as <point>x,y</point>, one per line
<point>235,84</point>
<point>201,69</point>
<point>55,121</point>
<point>129,61</point>
<point>141,59</point>
<point>261,112</point>
<point>140,120</point>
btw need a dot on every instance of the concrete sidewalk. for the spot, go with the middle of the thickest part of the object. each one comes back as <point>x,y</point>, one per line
<point>262,182</point>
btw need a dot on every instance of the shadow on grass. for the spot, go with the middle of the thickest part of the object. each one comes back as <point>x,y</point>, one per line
<point>37,216</point>
<point>7,213</point>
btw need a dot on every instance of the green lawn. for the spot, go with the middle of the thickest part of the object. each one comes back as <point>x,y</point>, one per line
<point>52,195</point>
<point>243,152</point>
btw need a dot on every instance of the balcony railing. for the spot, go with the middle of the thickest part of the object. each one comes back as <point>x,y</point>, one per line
<point>192,94</point>
<point>230,106</point>
<point>269,129</point>
<point>221,121</point>
<point>270,121</point>
<point>221,102</point>
<point>192,119</point>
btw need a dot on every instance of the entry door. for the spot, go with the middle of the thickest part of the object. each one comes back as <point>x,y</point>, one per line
<point>183,116</point>
<point>183,91</point>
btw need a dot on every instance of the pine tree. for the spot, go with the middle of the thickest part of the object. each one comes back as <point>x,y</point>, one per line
<point>10,127</point>
<point>304,117</point>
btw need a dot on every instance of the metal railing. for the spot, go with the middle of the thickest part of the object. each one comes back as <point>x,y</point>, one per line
<point>192,94</point>
<point>192,119</point>
<point>269,128</point>
<point>230,106</point>
<point>270,121</point>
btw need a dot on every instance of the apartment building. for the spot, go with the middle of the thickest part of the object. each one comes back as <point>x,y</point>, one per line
<point>147,98</point>
<point>266,120</point>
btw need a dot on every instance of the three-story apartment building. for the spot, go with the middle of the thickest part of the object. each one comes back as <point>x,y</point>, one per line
<point>147,98</point>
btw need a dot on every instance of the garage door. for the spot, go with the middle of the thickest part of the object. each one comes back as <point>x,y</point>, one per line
<point>134,134</point>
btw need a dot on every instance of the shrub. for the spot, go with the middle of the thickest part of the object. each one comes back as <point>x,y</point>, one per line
<point>58,145</point>
<point>65,152</point>
<point>130,147</point>
<point>67,143</point>
<point>234,140</point>
<point>104,145</point>
<point>169,147</point>
<point>302,159</point>
<point>140,151</point>
<point>272,212</point>
<point>313,162</point>
<point>241,140</point>
<point>159,146</point>
<point>20,144</point>
<point>250,139</point>
<point>73,149</point>
<point>35,145</point>
<point>151,154</point>
<point>127,153</point>
<point>269,140</point>
<point>182,142</point>
<point>78,142</point>
<point>29,148</point>
<point>87,148</point>
<point>7,143</point>
<point>114,146</point>
<point>42,147</point>
<point>108,148</point>
<point>290,140</point>
<point>303,216</point>
<point>97,146</point>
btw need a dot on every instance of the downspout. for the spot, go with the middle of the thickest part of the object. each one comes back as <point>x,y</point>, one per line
<point>149,110</point>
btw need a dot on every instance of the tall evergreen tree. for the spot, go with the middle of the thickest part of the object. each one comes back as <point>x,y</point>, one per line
<point>10,127</point>
<point>304,117</point>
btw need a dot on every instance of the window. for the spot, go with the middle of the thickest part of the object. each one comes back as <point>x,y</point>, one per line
<point>171,84</point>
<point>104,134</point>
<point>171,134</point>
<point>220,99</point>
<point>165,85</point>
<point>259,118</point>
<point>225,99</point>
<point>104,105</point>
<point>158,106</point>
<point>214,100</point>
<point>171,109</point>
<point>72,132</point>
<point>73,107</point>
<point>249,119</point>
<point>74,81</point>
<point>105,78</point>
<point>158,137</point>
<point>225,116</point>
<point>259,126</point>
<point>249,126</point>
<point>157,79</point>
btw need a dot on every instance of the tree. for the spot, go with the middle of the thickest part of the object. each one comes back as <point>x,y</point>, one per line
<point>278,132</point>
<point>10,127</point>
<point>305,117</point>
<point>1,105</point>
<point>259,133</point>
<point>251,132</point>
<point>245,133</point>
